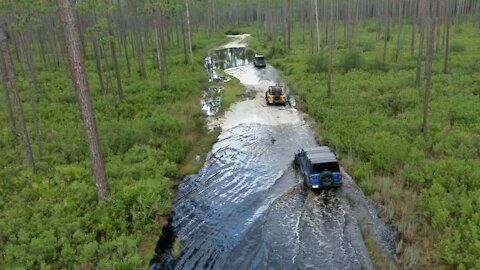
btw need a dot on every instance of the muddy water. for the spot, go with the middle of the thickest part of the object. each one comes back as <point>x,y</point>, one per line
<point>246,208</point>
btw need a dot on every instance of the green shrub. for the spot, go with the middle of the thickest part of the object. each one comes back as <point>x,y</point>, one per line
<point>352,59</point>
<point>317,63</point>
<point>276,51</point>
<point>456,46</point>
<point>378,65</point>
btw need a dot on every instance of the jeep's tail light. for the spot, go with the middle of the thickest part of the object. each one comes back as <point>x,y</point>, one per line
<point>311,177</point>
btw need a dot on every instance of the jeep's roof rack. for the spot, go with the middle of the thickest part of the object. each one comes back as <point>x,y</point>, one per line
<point>318,149</point>
<point>322,157</point>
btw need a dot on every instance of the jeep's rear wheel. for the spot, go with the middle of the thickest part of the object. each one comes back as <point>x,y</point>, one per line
<point>326,179</point>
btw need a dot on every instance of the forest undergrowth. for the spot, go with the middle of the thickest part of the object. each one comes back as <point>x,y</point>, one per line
<point>428,188</point>
<point>51,219</point>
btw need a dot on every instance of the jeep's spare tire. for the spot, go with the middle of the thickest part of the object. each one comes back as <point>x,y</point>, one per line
<point>326,179</point>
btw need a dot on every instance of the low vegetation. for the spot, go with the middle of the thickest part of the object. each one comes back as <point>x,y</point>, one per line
<point>51,218</point>
<point>429,187</point>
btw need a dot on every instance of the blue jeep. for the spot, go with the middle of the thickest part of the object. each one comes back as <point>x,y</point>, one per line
<point>319,167</point>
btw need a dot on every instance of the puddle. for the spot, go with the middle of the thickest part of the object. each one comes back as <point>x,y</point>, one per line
<point>211,100</point>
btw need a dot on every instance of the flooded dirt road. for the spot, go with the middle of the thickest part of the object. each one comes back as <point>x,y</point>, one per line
<point>247,209</point>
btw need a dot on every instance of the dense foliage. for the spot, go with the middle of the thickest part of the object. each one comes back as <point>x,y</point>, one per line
<point>51,218</point>
<point>375,117</point>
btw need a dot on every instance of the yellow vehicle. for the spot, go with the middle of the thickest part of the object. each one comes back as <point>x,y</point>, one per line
<point>275,95</point>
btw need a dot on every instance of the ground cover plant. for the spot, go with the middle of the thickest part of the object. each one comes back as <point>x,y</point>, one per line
<point>428,186</point>
<point>51,218</point>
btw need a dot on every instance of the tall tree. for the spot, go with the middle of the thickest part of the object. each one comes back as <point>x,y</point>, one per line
<point>289,20</point>
<point>386,14</point>
<point>189,33</point>
<point>18,103</point>
<point>317,26</point>
<point>72,41</point>
<point>114,56</point>
<point>428,64</point>
<point>330,51</point>
<point>29,81</point>
<point>6,95</point>
<point>399,31</point>
<point>447,37</point>
<point>159,49</point>
<point>421,32</point>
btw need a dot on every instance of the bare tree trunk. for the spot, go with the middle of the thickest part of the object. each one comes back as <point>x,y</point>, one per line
<point>29,81</point>
<point>163,49</point>
<point>141,62</point>
<point>109,84</point>
<point>447,37</point>
<point>98,61</point>
<point>8,104</point>
<point>185,42</point>
<point>412,44</point>
<point>189,34</point>
<point>428,65</point>
<point>123,35</point>
<point>42,49</point>
<point>13,81</point>
<point>330,51</point>
<point>79,78</point>
<point>312,14</point>
<point>399,25</point>
<point>420,42</point>
<point>289,23</point>
<point>114,57</point>
<point>387,30</point>
<point>458,4</point>
<point>317,26</point>
<point>159,55</point>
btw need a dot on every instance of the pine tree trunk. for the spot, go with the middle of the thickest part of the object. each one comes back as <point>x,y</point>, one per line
<point>123,35</point>
<point>79,78</point>
<point>387,30</point>
<point>114,57</point>
<point>330,52</point>
<point>312,15</point>
<point>8,103</point>
<point>412,38</point>
<point>447,37</point>
<point>317,26</point>
<point>18,103</point>
<point>189,34</point>
<point>399,25</point>
<point>159,55</point>
<point>428,66</point>
<point>29,81</point>
<point>185,43</point>
<point>141,62</point>
<point>420,43</point>
<point>98,62</point>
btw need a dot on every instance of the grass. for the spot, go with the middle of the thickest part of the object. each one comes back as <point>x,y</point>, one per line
<point>379,259</point>
<point>427,186</point>
<point>232,93</point>
<point>149,141</point>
